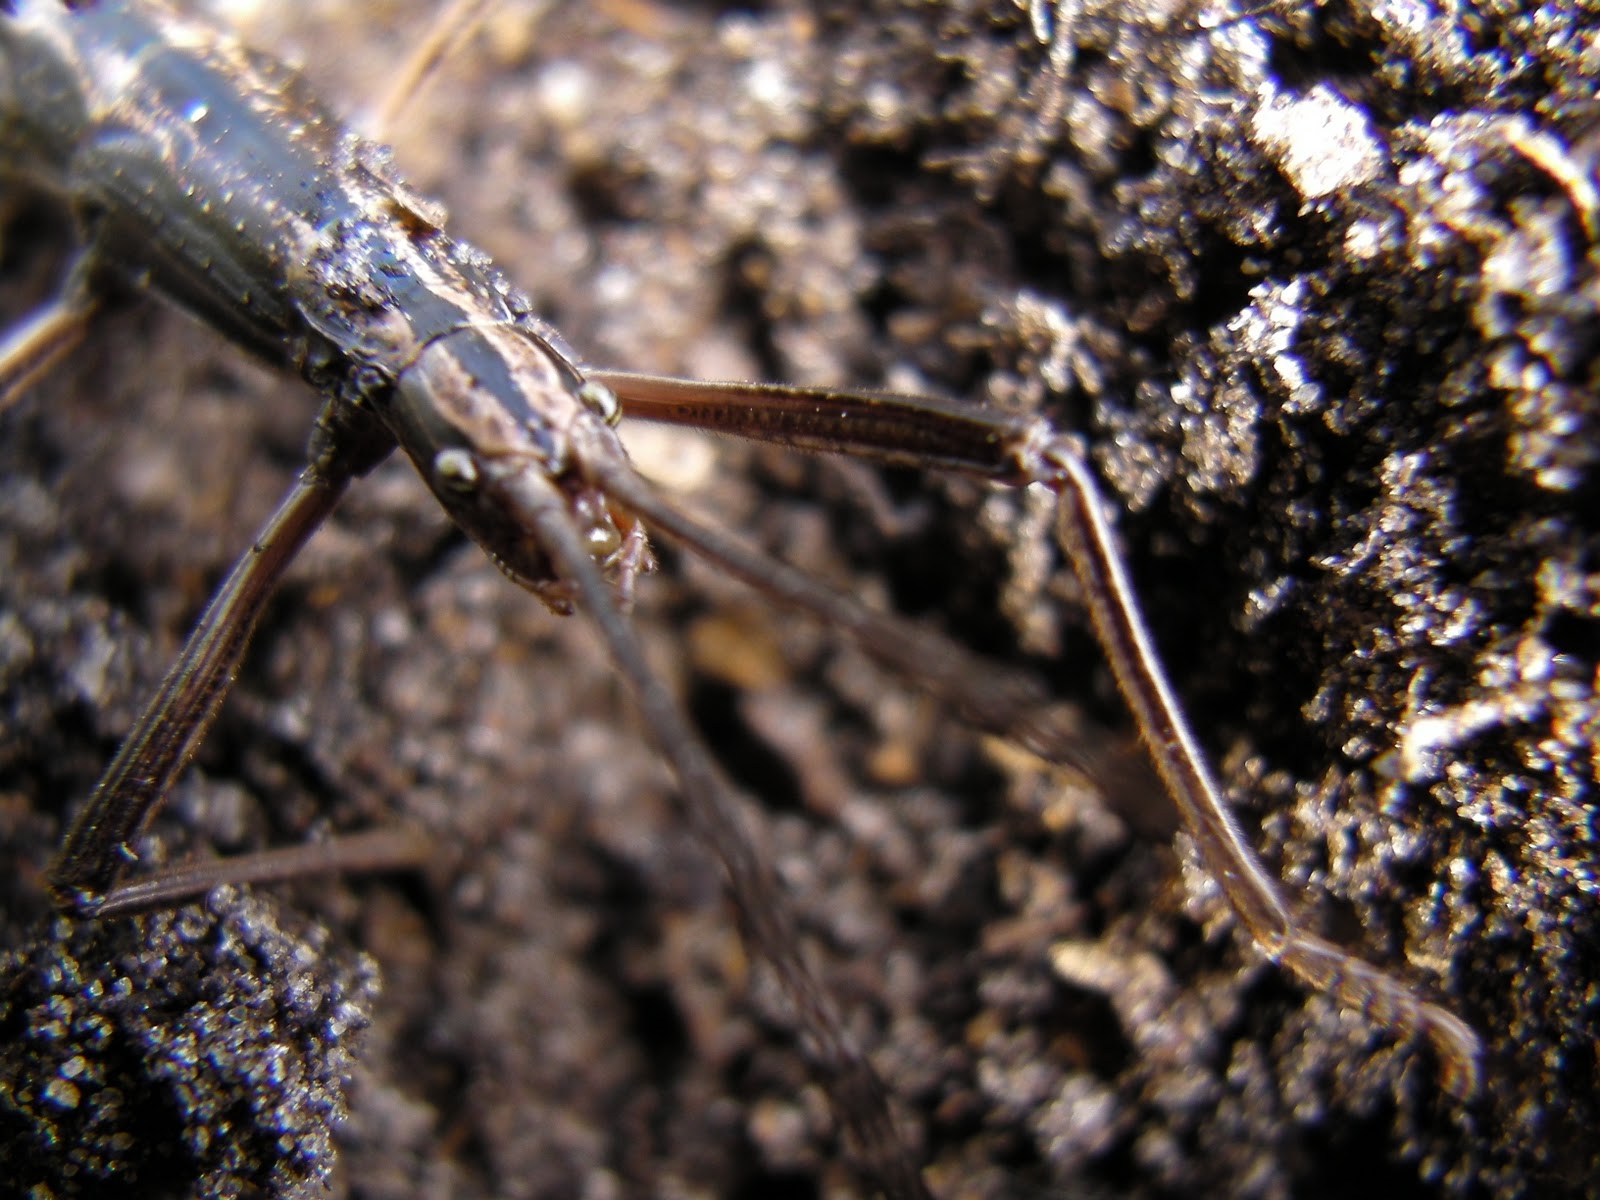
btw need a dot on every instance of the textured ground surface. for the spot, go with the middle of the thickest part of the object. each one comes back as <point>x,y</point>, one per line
<point>1320,286</point>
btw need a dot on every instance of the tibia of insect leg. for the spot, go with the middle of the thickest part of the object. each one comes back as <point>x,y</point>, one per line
<point>1254,895</point>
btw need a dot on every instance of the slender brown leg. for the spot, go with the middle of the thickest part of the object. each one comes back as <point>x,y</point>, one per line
<point>33,348</point>
<point>914,431</point>
<point>373,850</point>
<point>99,846</point>
<point>1256,897</point>
<point>1023,451</point>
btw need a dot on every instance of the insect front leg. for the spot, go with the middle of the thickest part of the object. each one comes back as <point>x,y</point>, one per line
<point>901,428</point>
<point>99,846</point>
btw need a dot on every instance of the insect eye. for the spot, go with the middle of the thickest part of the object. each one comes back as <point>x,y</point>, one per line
<point>601,401</point>
<point>602,541</point>
<point>455,471</point>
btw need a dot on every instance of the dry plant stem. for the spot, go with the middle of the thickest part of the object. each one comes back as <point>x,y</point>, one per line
<point>453,26</point>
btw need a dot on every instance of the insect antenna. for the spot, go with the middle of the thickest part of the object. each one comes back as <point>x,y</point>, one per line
<point>1006,703</point>
<point>857,1094</point>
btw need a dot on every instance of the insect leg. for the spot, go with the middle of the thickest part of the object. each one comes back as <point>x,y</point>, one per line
<point>857,1093</point>
<point>914,430</point>
<point>1022,451</point>
<point>97,849</point>
<point>1256,897</point>
<point>34,347</point>
<point>387,849</point>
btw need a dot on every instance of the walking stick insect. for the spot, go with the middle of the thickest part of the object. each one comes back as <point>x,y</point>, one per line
<point>416,341</point>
